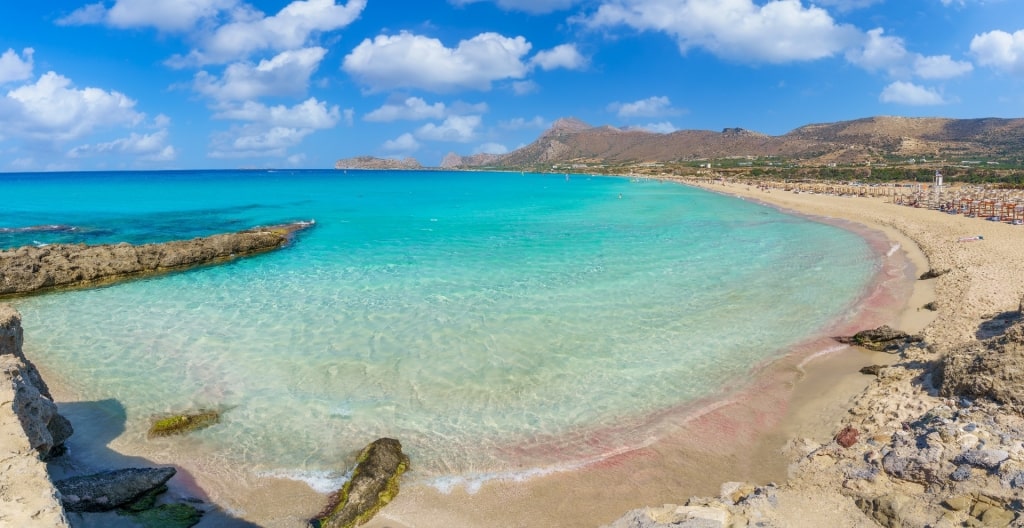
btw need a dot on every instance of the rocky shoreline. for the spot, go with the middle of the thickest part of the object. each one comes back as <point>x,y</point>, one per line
<point>28,270</point>
<point>31,429</point>
<point>937,439</point>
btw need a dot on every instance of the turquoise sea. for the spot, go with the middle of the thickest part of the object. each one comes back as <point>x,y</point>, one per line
<point>493,322</point>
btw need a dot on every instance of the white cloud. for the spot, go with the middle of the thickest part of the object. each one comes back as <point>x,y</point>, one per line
<point>268,131</point>
<point>349,115</point>
<point>563,56</point>
<point>15,68</point>
<point>90,14</point>
<point>296,160</point>
<point>52,109</point>
<point>290,28</point>
<point>940,67</point>
<point>287,73</point>
<point>491,148</point>
<point>165,15</point>
<point>148,147</point>
<point>529,6</point>
<point>256,141</point>
<point>520,123</point>
<point>663,127</point>
<point>311,113</point>
<point>524,87</point>
<point>885,53</point>
<point>1000,50</point>
<point>656,106</point>
<point>412,109</point>
<point>906,93</point>
<point>850,5</point>
<point>413,61</point>
<point>880,52</point>
<point>460,129</point>
<point>778,31</point>
<point>404,143</point>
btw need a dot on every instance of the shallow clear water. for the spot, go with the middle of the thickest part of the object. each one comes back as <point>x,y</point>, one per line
<point>474,316</point>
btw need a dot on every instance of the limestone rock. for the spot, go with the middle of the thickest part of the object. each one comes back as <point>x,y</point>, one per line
<point>887,510</point>
<point>45,428</point>
<point>110,489</point>
<point>983,458</point>
<point>933,273</point>
<point>872,370</point>
<point>28,270</point>
<point>373,484</point>
<point>993,369</point>
<point>881,339</point>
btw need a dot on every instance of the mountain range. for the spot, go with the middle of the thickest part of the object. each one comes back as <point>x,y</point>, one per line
<point>862,141</point>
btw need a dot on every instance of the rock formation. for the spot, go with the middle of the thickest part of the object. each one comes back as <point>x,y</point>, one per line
<point>370,162</point>
<point>110,489</point>
<point>28,270</point>
<point>183,423</point>
<point>30,428</point>
<point>373,484</point>
<point>881,339</point>
<point>32,403</point>
<point>992,369</point>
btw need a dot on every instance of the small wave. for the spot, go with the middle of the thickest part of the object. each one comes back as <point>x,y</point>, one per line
<point>49,228</point>
<point>821,353</point>
<point>473,482</point>
<point>321,481</point>
<point>893,248</point>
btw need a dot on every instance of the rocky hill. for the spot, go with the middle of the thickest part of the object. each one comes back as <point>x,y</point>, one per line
<point>873,139</point>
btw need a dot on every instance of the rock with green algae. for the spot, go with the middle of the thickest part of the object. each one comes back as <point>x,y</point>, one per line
<point>177,515</point>
<point>184,423</point>
<point>373,484</point>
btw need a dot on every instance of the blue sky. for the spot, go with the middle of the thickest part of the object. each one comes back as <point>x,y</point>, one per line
<point>191,84</point>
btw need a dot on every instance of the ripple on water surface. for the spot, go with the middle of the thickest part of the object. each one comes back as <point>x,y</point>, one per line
<point>474,318</point>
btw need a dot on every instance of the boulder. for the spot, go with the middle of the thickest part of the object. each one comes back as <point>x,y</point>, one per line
<point>933,273</point>
<point>110,489</point>
<point>872,370</point>
<point>881,339</point>
<point>373,484</point>
<point>992,369</point>
<point>847,437</point>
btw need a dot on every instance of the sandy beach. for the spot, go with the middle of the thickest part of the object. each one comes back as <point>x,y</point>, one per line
<point>746,435</point>
<point>753,431</point>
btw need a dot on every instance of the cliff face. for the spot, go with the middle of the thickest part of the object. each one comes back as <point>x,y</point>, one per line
<point>30,428</point>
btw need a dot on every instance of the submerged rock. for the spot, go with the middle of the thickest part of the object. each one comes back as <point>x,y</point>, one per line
<point>183,423</point>
<point>110,489</point>
<point>373,484</point>
<point>28,269</point>
<point>177,515</point>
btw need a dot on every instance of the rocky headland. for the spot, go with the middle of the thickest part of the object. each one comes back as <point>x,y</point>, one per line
<point>373,163</point>
<point>28,270</point>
